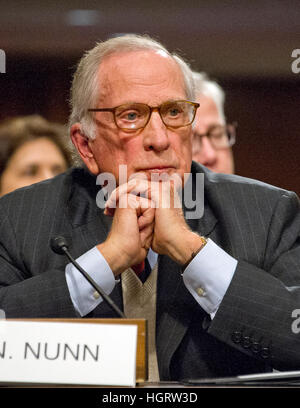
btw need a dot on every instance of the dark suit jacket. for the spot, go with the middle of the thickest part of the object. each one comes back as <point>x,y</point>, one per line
<point>256,223</point>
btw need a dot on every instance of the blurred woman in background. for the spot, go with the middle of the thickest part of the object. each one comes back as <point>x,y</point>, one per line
<point>31,150</point>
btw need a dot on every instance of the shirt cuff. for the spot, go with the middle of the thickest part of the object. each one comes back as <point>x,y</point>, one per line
<point>83,295</point>
<point>208,276</point>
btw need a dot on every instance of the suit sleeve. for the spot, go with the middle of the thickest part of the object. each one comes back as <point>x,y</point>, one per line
<point>23,295</point>
<point>256,313</point>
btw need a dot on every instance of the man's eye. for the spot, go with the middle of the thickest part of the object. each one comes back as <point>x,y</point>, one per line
<point>174,112</point>
<point>218,134</point>
<point>129,116</point>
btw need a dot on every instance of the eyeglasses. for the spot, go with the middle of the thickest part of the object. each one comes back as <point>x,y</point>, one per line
<point>220,137</point>
<point>134,116</point>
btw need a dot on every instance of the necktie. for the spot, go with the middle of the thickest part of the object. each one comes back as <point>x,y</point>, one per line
<point>138,269</point>
<point>142,270</point>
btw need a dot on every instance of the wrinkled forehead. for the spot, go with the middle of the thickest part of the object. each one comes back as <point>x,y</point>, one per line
<point>139,70</point>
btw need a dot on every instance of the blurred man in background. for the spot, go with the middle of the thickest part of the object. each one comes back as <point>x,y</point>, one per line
<point>212,137</point>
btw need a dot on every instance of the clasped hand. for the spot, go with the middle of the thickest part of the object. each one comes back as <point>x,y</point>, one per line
<point>147,214</point>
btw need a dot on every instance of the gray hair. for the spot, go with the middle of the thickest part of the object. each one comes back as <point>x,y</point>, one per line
<point>205,86</point>
<point>85,85</point>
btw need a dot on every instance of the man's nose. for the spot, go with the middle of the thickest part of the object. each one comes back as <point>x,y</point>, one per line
<point>156,133</point>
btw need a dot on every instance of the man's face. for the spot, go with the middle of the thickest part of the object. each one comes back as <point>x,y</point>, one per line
<point>144,77</point>
<point>207,117</point>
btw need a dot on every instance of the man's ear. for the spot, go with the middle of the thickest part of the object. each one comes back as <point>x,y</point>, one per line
<point>83,146</point>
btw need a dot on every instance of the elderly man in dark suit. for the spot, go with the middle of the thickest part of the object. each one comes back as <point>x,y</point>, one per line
<point>222,288</point>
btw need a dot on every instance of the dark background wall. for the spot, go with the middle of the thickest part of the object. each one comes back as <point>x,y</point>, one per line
<point>246,47</point>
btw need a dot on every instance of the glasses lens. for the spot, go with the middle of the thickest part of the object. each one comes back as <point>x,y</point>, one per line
<point>222,137</point>
<point>132,116</point>
<point>218,137</point>
<point>177,113</point>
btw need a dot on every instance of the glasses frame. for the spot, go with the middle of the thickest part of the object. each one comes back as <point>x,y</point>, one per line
<point>151,109</point>
<point>231,135</point>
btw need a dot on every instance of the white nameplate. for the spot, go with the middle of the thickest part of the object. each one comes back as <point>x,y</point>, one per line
<point>68,353</point>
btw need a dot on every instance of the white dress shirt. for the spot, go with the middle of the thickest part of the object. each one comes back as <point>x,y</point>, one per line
<point>207,278</point>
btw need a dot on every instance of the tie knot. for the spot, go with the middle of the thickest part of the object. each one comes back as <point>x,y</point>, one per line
<point>142,270</point>
<point>138,269</point>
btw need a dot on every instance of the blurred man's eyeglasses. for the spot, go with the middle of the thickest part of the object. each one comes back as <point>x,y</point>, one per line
<point>220,137</point>
<point>134,116</point>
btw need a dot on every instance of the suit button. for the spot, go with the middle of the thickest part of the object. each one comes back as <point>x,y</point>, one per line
<point>236,337</point>
<point>200,292</point>
<point>265,352</point>
<point>246,342</point>
<point>96,295</point>
<point>255,347</point>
